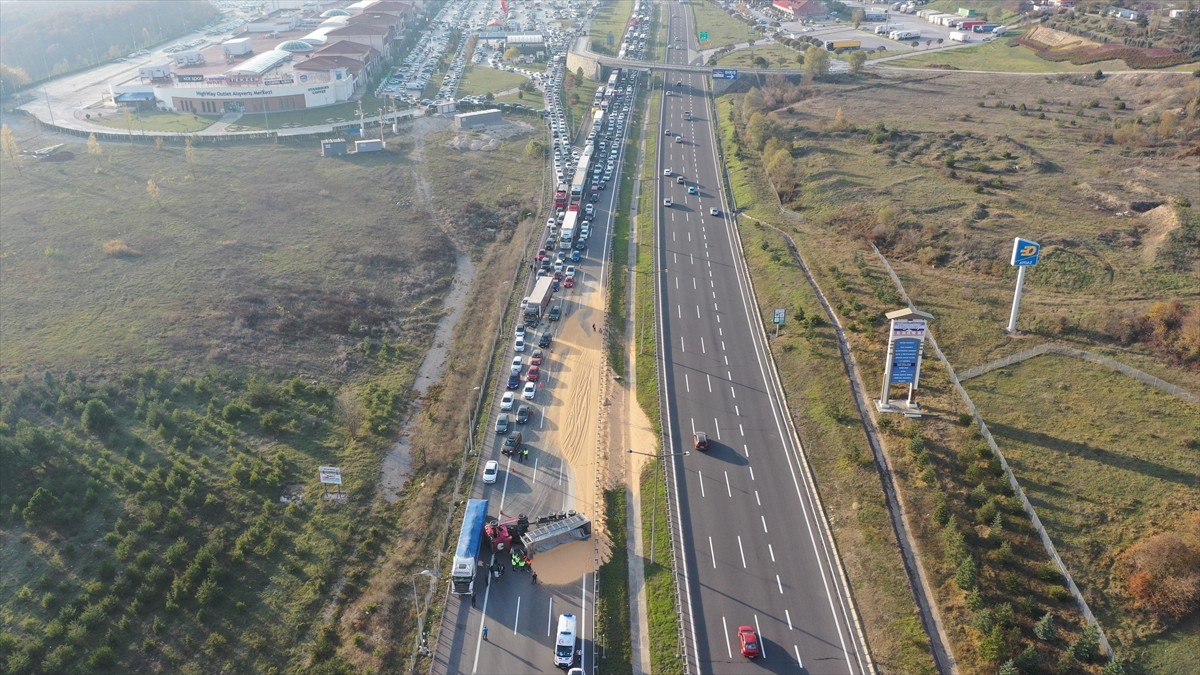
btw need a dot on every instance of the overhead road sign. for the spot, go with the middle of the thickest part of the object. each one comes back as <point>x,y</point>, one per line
<point>725,73</point>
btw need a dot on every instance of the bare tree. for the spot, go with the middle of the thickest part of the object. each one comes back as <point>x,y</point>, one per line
<point>152,190</point>
<point>93,147</point>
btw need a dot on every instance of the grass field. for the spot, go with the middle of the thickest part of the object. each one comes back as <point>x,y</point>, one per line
<point>481,80</point>
<point>1000,56</point>
<point>169,296</point>
<point>1097,490</point>
<point>190,311</point>
<point>371,106</point>
<point>608,26</point>
<point>722,29</point>
<point>864,165</point>
<point>777,56</point>
<point>152,121</point>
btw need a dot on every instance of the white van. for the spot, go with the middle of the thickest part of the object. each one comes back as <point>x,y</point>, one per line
<point>564,646</point>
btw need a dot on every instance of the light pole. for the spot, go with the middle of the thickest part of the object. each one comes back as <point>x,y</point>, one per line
<point>654,507</point>
<point>471,423</point>
<point>422,648</point>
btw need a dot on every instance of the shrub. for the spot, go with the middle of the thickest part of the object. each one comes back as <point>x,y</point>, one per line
<point>1086,648</point>
<point>97,417</point>
<point>992,647</point>
<point>1045,629</point>
<point>967,574</point>
<point>1027,661</point>
<point>1162,574</point>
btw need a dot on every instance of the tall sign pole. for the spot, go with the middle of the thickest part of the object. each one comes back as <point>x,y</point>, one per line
<point>906,346</point>
<point>1024,255</point>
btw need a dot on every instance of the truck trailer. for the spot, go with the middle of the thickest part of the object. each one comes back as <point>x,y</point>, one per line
<point>538,301</point>
<point>905,35</point>
<point>834,45</point>
<point>985,28</point>
<point>466,553</point>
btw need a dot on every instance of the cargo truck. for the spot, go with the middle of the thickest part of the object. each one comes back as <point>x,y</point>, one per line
<point>970,24</point>
<point>538,301</point>
<point>466,554</point>
<point>985,28</point>
<point>567,234</point>
<point>574,527</point>
<point>905,35</point>
<point>959,36</point>
<point>834,45</point>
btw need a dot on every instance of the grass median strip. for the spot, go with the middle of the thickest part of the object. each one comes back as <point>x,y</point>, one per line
<point>612,603</point>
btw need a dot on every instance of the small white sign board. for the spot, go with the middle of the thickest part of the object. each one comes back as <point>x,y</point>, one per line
<point>331,475</point>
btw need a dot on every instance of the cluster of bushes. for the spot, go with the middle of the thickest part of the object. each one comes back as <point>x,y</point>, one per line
<point>1134,57</point>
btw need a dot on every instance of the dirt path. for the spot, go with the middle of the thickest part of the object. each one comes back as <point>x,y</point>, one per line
<point>397,463</point>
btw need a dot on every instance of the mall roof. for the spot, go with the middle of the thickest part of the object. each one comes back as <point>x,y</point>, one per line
<point>261,63</point>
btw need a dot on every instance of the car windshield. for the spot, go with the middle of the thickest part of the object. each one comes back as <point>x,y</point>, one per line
<point>563,651</point>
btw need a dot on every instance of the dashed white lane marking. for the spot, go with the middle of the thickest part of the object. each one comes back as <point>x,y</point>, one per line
<point>728,488</point>
<point>764,522</point>
<point>713,552</point>
<point>771,550</point>
<point>742,551</point>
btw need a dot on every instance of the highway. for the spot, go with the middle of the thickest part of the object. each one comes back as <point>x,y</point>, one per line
<point>754,546</point>
<point>521,616</point>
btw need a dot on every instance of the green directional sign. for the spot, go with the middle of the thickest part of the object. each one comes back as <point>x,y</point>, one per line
<point>704,36</point>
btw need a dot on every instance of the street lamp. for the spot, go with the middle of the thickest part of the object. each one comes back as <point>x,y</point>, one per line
<point>422,648</point>
<point>654,507</point>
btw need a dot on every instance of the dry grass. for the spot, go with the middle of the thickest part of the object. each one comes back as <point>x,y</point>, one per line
<point>117,248</point>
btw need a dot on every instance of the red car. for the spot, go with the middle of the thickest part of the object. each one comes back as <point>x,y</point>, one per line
<point>569,282</point>
<point>536,359</point>
<point>748,638</point>
<point>533,374</point>
<point>541,253</point>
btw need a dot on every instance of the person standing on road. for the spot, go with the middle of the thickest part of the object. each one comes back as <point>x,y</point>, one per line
<point>485,634</point>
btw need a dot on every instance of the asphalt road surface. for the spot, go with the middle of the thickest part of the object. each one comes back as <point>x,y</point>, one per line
<point>522,616</point>
<point>755,548</point>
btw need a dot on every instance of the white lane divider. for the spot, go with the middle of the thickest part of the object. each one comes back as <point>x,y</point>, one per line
<point>679,311</point>
<point>709,379</point>
<point>757,500</point>
<point>751,473</point>
<point>742,551</point>
<point>687,385</point>
<point>713,552</point>
<point>780,582</point>
<point>771,550</point>
<point>517,617</point>
<point>682,348</point>
<point>764,522</point>
<point>702,349</point>
<point>700,479</point>
<point>762,650</point>
<point>728,489</point>
<point>725,630</point>
<point>788,614</point>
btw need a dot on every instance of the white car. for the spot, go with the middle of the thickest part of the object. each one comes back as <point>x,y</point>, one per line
<point>666,172</point>
<point>570,271</point>
<point>517,363</point>
<point>529,391</point>
<point>668,202</point>
<point>490,470</point>
<point>520,330</point>
<point>506,401</point>
<point>714,211</point>
<point>519,345</point>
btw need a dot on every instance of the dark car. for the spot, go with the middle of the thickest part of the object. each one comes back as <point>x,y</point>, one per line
<point>514,381</point>
<point>502,423</point>
<point>512,443</point>
<point>544,340</point>
<point>556,312</point>
<point>524,412</point>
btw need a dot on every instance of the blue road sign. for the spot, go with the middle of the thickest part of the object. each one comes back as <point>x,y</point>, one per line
<point>725,74</point>
<point>904,360</point>
<point>1025,253</point>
